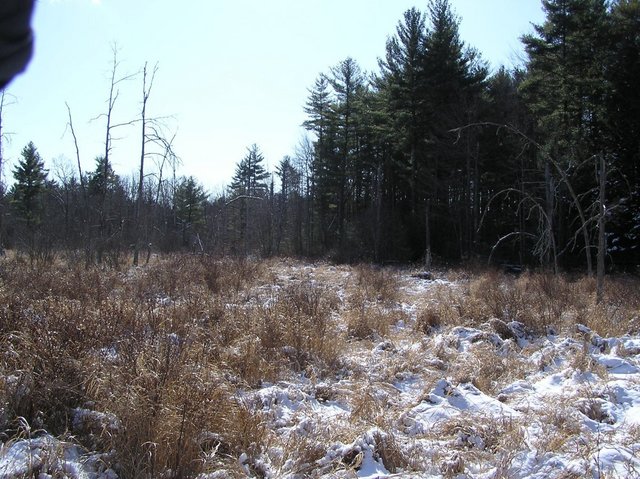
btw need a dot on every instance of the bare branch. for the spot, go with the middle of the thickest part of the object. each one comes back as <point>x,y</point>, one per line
<point>75,142</point>
<point>504,238</point>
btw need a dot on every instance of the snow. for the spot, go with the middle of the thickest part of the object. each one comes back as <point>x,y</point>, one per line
<point>559,415</point>
<point>20,458</point>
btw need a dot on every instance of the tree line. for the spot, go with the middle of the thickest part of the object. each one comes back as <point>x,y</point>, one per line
<point>431,157</point>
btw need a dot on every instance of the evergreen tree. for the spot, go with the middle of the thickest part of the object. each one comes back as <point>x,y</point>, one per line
<point>250,175</point>
<point>27,192</point>
<point>108,206</point>
<point>623,115</point>
<point>454,80</point>
<point>402,79</point>
<point>565,89</point>
<point>288,202</point>
<point>189,204</point>
<point>565,85</point>
<point>322,178</point>
<point>248,187</point>
<point>103,179</point>
<point>348,83</point>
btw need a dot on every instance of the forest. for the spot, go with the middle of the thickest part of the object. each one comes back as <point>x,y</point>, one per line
<point>432,158</point>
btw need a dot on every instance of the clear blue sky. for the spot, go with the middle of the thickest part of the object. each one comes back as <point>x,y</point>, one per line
<point>231,72</point>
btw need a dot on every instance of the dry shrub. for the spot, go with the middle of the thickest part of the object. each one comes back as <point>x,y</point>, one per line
<point>549,300</point>
<point>538,300</point>
<point>559,427</point>
<point>483,367</point>
<point>377,283</point>
<point>366,407</point>
<point>501,295</point>
<point>250,362</point>
<point>372,322</point>
<point>301,453</point>
<point>369,319</point>
<point>461,307</point>
<point>306,311</point>
<point>42,377</point>
<point>481,432</point>
<point>428,320</point>
<point>144,347</point>
<point>236,275</point>
<point>389,451</point>
<point>295,331</point>
<point>169,399</point>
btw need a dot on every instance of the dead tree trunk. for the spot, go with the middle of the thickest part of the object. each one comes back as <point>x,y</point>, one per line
<point>114,92</point>
<point>602,240</point>
<point>143,117</point>
<point>427,247</point>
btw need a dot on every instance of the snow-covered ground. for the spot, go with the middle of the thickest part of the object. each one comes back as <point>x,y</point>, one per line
<point>491,400</point>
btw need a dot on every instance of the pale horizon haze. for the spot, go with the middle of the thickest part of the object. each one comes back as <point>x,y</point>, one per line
<point>230,73</point>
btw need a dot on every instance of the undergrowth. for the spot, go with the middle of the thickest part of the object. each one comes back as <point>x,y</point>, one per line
<point>160,352</point>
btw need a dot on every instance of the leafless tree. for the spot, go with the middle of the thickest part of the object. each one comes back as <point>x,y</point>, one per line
<point>146,92</point>
<point>114,91</point>
<point>75,143</point>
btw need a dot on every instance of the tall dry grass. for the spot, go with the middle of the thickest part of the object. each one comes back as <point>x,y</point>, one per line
<point>148,362</point>
<point>159,352</point>
<point>541,302</point>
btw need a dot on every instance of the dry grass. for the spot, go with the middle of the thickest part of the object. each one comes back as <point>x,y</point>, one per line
<point>541,302</point>
<point>161,352</point>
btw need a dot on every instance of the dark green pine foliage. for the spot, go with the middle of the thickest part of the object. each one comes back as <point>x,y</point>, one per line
<point>322,124</point>
<point>565,89</point>
<point>288,225</point>
<point>250,175</point>
<point>453,84</point>
<point>402,80</point>
<point>249,193</point>
<point>623,113</point>
<point>27,193</point>
<point>348,83</point>
<point>103,179</point>
<point>508,173</point>
<point>189,204</point>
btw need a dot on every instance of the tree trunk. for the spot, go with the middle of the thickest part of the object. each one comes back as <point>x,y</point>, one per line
<point>602,246</point>
<point>427,247</point>
<point>143,116</point>
<point>549,207</point>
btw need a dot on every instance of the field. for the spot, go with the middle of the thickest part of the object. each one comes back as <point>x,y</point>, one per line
<point>192,366</point>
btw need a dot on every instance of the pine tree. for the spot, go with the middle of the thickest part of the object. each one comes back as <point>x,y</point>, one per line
<point>288,200</point>
<point>247,187</point>
<point>103,179</point>
<point>565,84</point>
<point>402,80</point>
<point>321,180</point>
<point>565,89</point>
<point>27,192</point>
<point>250,175</point>
<point>348,83</point>
<point>454,80</point>
<point>623,115</point>
<point>189,204</point>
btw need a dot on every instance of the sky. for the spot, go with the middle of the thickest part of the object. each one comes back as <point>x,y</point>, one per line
<point>231,73</point>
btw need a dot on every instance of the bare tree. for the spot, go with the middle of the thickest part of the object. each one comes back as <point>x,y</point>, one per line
<point>146,91</point>
<point>114,92</point>
<point>75,143</point>
<point>3,136</point>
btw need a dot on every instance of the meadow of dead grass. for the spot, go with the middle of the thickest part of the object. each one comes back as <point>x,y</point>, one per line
<point>162,351</point>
